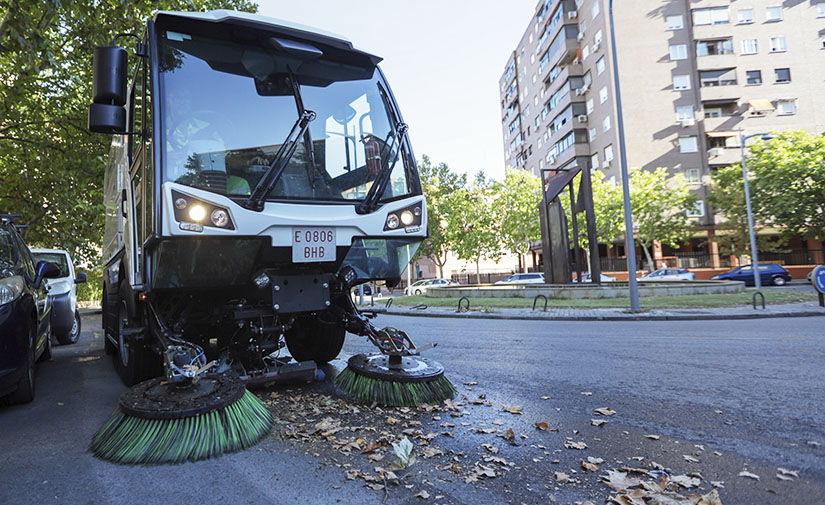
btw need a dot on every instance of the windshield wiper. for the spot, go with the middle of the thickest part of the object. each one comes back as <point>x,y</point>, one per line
<point>392,144</point>
<point>299,102</point>
<point>276,169</point>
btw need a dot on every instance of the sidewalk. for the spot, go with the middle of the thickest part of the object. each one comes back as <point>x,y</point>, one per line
<point>805,309</point>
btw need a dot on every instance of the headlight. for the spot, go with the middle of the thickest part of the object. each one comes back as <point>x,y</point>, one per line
<point>392,221</point>
<point>193,214</point>
<point>220,218</point>
<point>10,289</point>
<point>197,213</point>
<point>407,218</point>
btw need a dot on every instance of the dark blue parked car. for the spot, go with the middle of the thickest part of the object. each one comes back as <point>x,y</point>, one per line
<point>24,314</point>
<point>769,273</point>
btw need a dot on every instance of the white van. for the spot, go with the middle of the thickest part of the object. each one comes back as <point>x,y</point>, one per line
<point>63,292</point>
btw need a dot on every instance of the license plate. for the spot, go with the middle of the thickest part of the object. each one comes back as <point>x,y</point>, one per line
<point>310,245</point>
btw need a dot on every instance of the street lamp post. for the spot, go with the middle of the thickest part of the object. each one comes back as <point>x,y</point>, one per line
<point>757,280</point>
<point>630,242</point>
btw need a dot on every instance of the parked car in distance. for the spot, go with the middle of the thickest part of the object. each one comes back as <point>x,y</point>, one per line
<point>420,287</point>
<point>531,278</point>
<point>65,318</point>
<point>811,273</point>
<point>769,273</point>
<point>669,274</point>
<point>603,278</point>
<point>24,314</point>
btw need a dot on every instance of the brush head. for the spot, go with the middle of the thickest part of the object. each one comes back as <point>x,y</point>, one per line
<point>160,423</point>
<point>410,381</point>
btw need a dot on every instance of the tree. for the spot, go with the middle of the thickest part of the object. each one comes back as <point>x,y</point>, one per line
<point>788,187</point>
<point>472,228</point>
<point>660,204</point>
<point>51,167</point>
<point>516,207</point>
<point>438,183</point>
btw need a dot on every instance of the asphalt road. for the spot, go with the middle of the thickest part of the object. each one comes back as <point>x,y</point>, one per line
<point>734,396</point>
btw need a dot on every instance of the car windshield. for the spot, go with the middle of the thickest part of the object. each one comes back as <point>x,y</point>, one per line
<point>56,258</point>
<point>7,255</point>
<point>227,108</point>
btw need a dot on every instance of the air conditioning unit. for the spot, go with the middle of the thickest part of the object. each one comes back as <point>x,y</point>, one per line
<point>581,118</point>
<point>597,45</point>
<point>573,14</point>
<point>716,151</point>
<point>580,36</point>
<point>580,91</point>
<point>585,88</point>
<point>687,122</point>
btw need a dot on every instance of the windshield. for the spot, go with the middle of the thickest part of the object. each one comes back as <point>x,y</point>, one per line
<point>7,256</point>
<point>56,258</point>
<point>227,108</point>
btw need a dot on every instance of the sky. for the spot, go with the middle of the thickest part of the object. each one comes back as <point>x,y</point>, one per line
<point>443,60</point>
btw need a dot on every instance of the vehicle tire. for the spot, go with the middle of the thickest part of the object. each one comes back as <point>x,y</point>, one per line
<point>133,362</point>
<point>310,339</point>
<point>418,291</point>
<point>47,352</point>
<point>25,387</point>
<point>779,281</point>
<point>73,334</point>
<point>109,306</point>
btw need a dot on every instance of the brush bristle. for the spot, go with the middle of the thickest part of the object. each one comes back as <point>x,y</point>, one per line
<point>395,394</point>
<point>129,440</point>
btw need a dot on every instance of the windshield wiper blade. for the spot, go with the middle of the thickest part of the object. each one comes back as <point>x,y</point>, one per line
<point>276,169</point>
<point>299,102</point>
<point>379,186</point>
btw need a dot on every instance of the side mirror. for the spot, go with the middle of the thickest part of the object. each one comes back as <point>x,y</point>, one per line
<point>45,270</point>
<point>81,278</point>
<point>107,114</point>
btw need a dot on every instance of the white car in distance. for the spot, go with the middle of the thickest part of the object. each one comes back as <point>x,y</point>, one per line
<point>65,318</point>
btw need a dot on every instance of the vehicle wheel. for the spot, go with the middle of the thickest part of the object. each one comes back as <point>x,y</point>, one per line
<point>418,291</point>
<point>25,387</point>
<point>47,352</point>
<point>310,339</point>
<point>73,334</point>
<point>779,281</point>
<point>109,304</point>
<point>132,362</point>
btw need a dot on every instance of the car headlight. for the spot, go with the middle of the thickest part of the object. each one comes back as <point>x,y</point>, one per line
<point>10,289</point>
<point>193,214</point>
<point>408,217</point>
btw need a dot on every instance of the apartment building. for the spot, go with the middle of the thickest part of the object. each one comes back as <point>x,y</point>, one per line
<point>692,74</point>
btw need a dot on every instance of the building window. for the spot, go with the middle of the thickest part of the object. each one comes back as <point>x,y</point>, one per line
<point>722,77</point>
<point>684,112</point>
<point>754,77</point>
<point>603,94</point>
<point>713,112</point>
<point>773,14</point>
<point>750,46</point>
<point>692,176</point>
<point>591,134</point>
<point>594,161</point>
<point>786,107</point>
<point>688,145</point>
<point>597,40</point>
<point>714,47</point>
<point>594,11</point>
<point>778,44</point>
<point>783,75</point>
<point>583,26</point>
<point>681,82</point>
<point>710,16</point>
<point>678,52</point>
<point>820,10</point>
<point>698,209</point>
<point>600,66</point>
<point>608,153</point>
<point>675,22</point>
<point>744,16</point>
<point>585,52</point>
<point>589,104</point>
<point>606,124</point>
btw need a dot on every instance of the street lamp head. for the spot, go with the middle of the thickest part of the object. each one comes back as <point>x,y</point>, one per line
<point>767,136</point>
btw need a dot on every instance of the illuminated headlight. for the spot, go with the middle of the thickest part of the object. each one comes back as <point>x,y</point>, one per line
<point>262,280</point>
<point>220,218</point>
<point>392,221</point>
<point>407,218</point>
<point>10,289</point>
<point>197,213</point>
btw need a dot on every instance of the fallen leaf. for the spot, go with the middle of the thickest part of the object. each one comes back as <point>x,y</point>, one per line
<point>375,486</point>
<point>685,481</point>
<point>717,483</point>
<point>422,494</point>
<point>542,426</point>
<point>814,443</point>
<point>485,471</point>
<point>509,436</point>
<point>392,421</point>
<point>653,437</point>
<point>513,409</point>
<point>545,397</point>
<point>575,445</point>
<point>605,411</point>
<point>471,383</point>
<point>587,466</point>
<point>789,473</point>
<point>619,481</point>
<point>711,498</point>
<point>781,476</point>
<point>498,422</point>
<point>490,448</point>
<point>562,477</point>
<point>690,459</point>
<point>598,422</point>
<point>429,452</point>
<point>587,393</point>
<point>404,456</point>
<point>595,461</point>
<point>745,473</point>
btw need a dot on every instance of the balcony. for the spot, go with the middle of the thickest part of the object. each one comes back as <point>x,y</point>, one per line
<point>567,71</point>
<point>578,149</point>
<point>718,31</point>
<point>720,93</point>
<point>731,122</point>
<point>716,61</point>
<point>724,156</point>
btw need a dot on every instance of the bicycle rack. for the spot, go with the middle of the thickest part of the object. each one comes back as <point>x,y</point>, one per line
<point>389,303</point>
<point>419,307</point>
<point>537,299</point>
<point>465,309</point>
<point>754,299</point>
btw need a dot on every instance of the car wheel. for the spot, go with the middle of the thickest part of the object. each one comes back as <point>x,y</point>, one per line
<point>25,387</point>
<point>109,306</point>
<point>133,362</point>
<point>779,281</point>
<point>73,334</point>
<point>418,291</point>
<point>47,352</point>
<point>311,339</point>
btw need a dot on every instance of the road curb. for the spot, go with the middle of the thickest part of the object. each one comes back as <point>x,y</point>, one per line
<point>639,317</point>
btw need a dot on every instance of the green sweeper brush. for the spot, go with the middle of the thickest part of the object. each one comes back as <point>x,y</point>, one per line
<point>398,376</point>
<point>160,422</point>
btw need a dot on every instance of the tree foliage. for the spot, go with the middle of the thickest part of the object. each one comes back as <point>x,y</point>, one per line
<point>473,230</point>
<point>51,168</point>
<point>517,200</point>
<point>439,184</point>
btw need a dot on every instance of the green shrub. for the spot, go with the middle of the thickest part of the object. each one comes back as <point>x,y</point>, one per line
<point>92,289</point>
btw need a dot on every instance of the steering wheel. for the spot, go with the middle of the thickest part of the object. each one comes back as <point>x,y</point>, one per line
<point>209,130</point>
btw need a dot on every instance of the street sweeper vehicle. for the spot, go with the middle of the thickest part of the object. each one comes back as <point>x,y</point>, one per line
<point>259,170</point>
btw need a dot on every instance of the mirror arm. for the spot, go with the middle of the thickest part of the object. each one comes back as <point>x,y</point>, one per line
<point>140,50</point>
